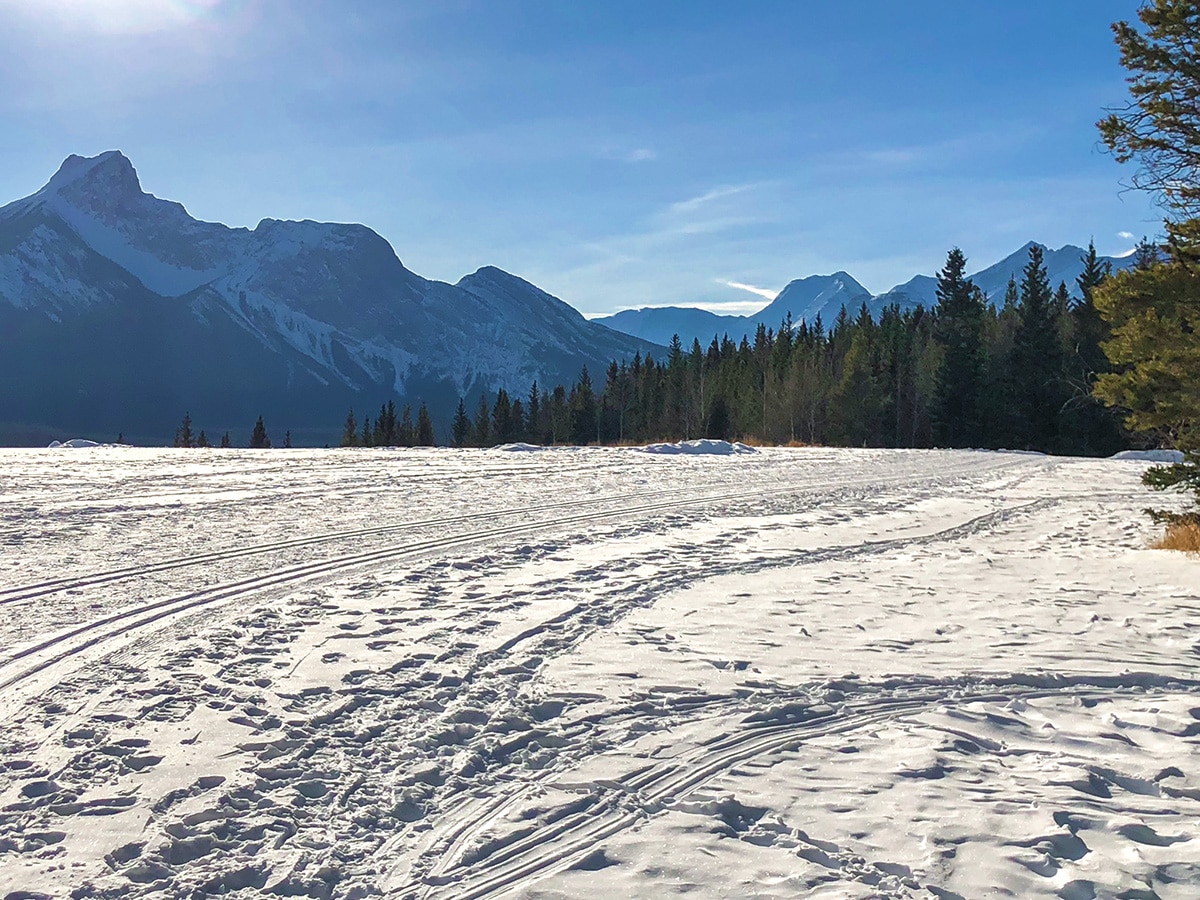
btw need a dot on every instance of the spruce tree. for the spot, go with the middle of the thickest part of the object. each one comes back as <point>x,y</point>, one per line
<point>460,428</point>
<point>391,428</point>
<point>533,415</point>
<point>1036,368</point>
<point>350,430</point>
<point>183,434</point>
<point>481,433</point>
<point>287,440</point>
<point>226,441</point>
<point>406,434</point>
<point>959,330</point>
<point>424,435</point>
<point>382,435</point>
<point>367,438</point>
<point>502,424</point>
<point>518,421</point>
<point>1089,428</point>
<point>258,437</point>
<point>583,411</point>
<point>202,441</point>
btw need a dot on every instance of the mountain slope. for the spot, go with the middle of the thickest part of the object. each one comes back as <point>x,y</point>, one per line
<point>108,292</point>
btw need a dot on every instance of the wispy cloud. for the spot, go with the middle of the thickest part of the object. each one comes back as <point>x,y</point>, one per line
<point>718,193</point>
<point>1125,235</point>
<point>641,154</point>
<point>762,292</point>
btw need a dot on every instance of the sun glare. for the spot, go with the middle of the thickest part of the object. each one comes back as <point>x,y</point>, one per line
<point>123,16</point>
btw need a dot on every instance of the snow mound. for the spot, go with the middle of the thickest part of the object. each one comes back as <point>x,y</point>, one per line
<point>73,443</point>
<point>1157,456</point>
<point>519,447</point>
<point>702,447</point>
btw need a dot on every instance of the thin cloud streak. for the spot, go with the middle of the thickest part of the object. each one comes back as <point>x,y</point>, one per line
<point>762,292</point>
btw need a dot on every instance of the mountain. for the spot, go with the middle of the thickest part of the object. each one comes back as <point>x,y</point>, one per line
<point>825,295</point>
<point>817,295</point>
<point>119,311</point>
<point>805,298</point>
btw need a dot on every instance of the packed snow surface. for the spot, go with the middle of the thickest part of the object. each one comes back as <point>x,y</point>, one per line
<point>792,673</point>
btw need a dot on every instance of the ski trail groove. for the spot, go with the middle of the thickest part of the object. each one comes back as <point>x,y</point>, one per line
<point>159,610</point>
<point>613,808</point>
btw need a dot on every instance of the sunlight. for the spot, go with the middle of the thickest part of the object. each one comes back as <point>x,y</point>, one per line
<point>122,16</point>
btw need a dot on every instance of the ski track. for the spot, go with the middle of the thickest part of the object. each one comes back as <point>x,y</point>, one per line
<point>393,721</point>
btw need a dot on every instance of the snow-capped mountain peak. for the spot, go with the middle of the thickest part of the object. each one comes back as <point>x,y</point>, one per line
<point>106,176</point>
<point>292,314</point>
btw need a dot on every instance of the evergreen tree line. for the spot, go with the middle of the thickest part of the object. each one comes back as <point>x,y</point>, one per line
<point>389,430</point>
<point>187,438</point>
<point>963,374</point>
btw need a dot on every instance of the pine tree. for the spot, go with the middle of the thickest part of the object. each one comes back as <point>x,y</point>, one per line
<point>350,430</point>
<point>258,437</point>
<point>183,434</point>
<point>1158,128</point>
<point>226,441</point>
<point>367,438</point>
<point>202,441</point>
<point>425,436</point>
<point>1155,346</point>
<point>460,428</point>
<point>287,440</point>
<point>1154,311</point>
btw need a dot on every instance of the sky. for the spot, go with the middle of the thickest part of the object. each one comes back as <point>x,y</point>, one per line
<point>617,154</point>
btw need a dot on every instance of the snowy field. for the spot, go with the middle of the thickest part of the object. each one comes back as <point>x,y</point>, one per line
<point>592,673</point>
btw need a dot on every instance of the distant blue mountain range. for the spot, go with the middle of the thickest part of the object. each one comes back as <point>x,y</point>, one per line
<point>825,295</point>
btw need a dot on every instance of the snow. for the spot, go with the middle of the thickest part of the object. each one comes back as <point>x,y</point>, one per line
<point>1155,456</point>
<point>519,447</point>
<point>73,443</point>
<point>703,446</point>
<point>789,673</point>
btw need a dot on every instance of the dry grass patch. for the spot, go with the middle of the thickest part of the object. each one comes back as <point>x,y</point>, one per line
<point>1182,536</point>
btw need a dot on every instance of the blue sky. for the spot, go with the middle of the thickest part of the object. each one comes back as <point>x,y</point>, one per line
<point>615,153</point>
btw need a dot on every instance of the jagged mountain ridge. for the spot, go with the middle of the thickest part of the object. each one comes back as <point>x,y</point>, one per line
<point>118,311</point>
<point>825,295</point>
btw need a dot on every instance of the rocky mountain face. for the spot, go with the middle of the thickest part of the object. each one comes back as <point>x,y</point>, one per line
<point>119,312</point>
<point>825,295</point>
